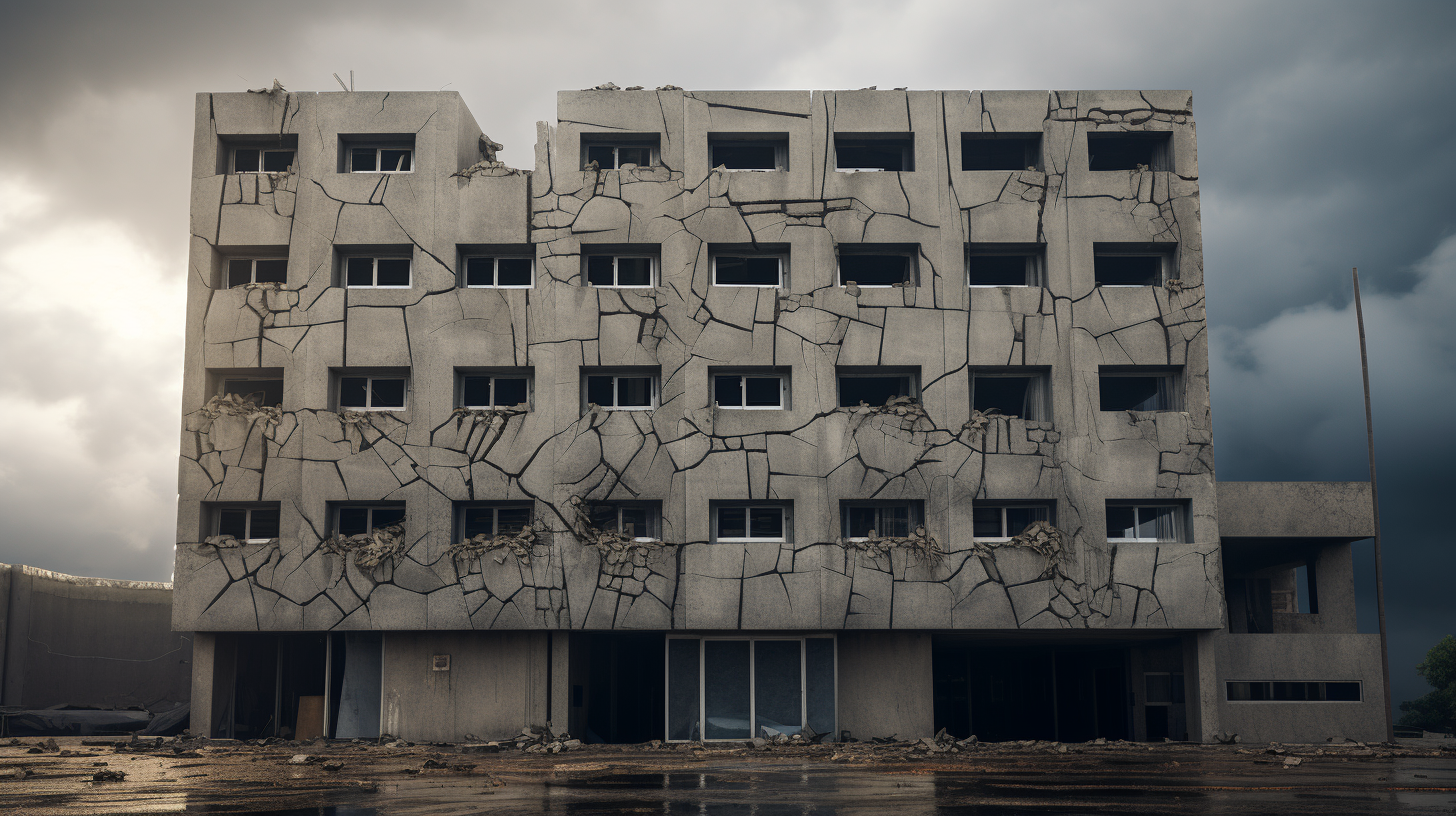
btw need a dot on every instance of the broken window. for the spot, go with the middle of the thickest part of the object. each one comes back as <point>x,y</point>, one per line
<point>1146,150</point>
<point>637,520</point>
<point>743,521</point>
<point>748,151</point>
<point>622,391</point>
<point>750,391</point>
<point>1131,264</point>
<point>735,688</point>
<point>1130,522</point>
<point>875,388</point>
<point>872,265</point>
<point>886,519</point>
<point>254,523</point>
<point>360,519</point>
<point>1000,151</point>
<point>873,152</point>
<point>1285,691</point>
<point>259,160</point>
<point>1137,388</point>
<point>1004,264</point>
<point>488,392</point>
<point>620,271</point>
<point>620,151</point>
<point>370,393</point>
<point>380,159</point>
<point>1012,392</point>
<point>1001,521</point>
<point>748,268</point>
<point>492,518</point>
<point>375,272</point>
<point>242,271</point>
<point>264,391</point>
<point>499,271</point>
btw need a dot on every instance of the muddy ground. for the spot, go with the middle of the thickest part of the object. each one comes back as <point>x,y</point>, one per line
<point>75,775</point>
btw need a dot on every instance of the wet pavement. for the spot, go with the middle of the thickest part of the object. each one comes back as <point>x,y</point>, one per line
<point>906,779</point>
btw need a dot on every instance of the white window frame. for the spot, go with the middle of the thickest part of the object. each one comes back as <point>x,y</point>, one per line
<point>369,391</point>
<point>786,519</point>
<point>752,682</point>
<point>1178,522</point>
<point>652,271</point>
<point>912,270</point>
<point>654,517</point>
<point>654,154</point>
<point>378,159</point>
<point>233,159</point>
<point>495,375</point>
<point>781,154</point>
<point>1003,507</point>
<point>783,265</point>
<point>252,269</point>
<point>495,271</point>
<point>743,389</point>
<point>916,516</point>
<point>369,523</point>
<point>248,537</point>
<point>494,508</point>
<point>375,271</point>
<point>1035,264</point>
<point>616,389</point>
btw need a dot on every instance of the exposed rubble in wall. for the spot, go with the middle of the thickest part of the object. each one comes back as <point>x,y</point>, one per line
<point>921,547</point>
<point>382,546</point>
<point>520,544</point>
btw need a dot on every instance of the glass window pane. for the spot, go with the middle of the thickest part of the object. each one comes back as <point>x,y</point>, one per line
<point>353,520</point>
<point>277,161</point>
<point>232,522</point>
<point>353,392</point>
<point>763,392</point>
<point>1120,522</point>
<point>871,390</point>
<point>766,522</point>
<point>361,160</point>
<point>386,393</point>
<point>264,523</point>
<point>778,695</point>
<point>1129,393</point>
<point>480,271</point>
<point>1127,270</point>
<point>385,516</point>
<point>239,272</point>
<point>512,519</point>
<point>514,272</point>
<point>475,392</point>
<point>682,689</point>
<point>728,390</point>
<point>635,522</point>
<point>764,271</point>
<point>394,272</point>
<point>859,520</point>
<point>998,270</point>
<point>743,155</point>
<point>1017,518</point>
<point>895,522</point>
<point>1004,394</point>
<point>874,270</point>
<point>510,391</point>
<point>245,160</point>
<point>725,690</point>
<point>360,272</point>
<point>599,390</point>
<point>272,270</point>
<point>986,522</point>
<point>397,161</point>
<point>732,522</point>
<point>819,679</point>
<point>640,156</point>
<point>600,271</point>
<point>634,392</point>
<point>730,270</point>
<point>1147,521</point>
<point>604,155</point>
<point>478,521</point>
<point>634,271</point>
<point>604,516</point>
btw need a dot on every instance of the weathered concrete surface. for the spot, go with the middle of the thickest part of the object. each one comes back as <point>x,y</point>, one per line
<point>495,687</point>
<point>1333,510</point>
<point>1302,658</point>
<point>885,684</point>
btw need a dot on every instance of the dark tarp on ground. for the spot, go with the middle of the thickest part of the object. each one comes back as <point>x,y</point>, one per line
<point>73,722</point>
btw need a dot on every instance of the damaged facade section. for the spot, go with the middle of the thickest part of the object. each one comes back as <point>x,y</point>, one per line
<point>682,425</point>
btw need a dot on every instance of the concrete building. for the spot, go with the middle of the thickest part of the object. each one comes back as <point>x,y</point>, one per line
<point>875,412</point>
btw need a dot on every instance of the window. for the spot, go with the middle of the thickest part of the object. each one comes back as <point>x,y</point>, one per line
<point>750,391</point>
<point>1137,388</point>
<point>253,523</point>
<point>748,267</point>
<point>360,519</point>
<point>499,271</point>
<point>871,152</point>
<point>1000,151</point>
<point>1144,522</point>
<point>1001,521</point>
<point>372,393</point>
<point>1131,264</point>
<point>620,271</point>
<point>619,151</point>
<point>731,688</point>
<point>636,520</point>
<point>242,271</point>
<point>749,151</point>
<point>492,391</point>
<point>886,519</point>
<point>261,160</point>
<point>376,272</point>
<point>877,265</point>
<point>1004,264</point>
<point>267,389</point>
<point>1285,691</point>
<point>492,519</point>
<point>1012,392</point>
<point>622,391</point>
<point>875,387</point>
<point>1125,151</point>
<point>737,522</point>
<point>366,158</point>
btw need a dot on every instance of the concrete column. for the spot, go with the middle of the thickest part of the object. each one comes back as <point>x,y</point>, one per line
<point>560,714</point>
<point>204,661</point>
<point>885,684</point>
<point>1200,679</point>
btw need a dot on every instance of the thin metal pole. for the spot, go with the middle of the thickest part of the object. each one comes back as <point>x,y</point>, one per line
<point>1375,510</point>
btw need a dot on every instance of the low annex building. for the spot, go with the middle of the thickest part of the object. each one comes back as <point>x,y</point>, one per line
<point>836,412</point>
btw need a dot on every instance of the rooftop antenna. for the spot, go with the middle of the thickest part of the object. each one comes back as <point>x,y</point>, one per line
<point>340,81</point>
<point>1375,509</point>
<point>351,80</point>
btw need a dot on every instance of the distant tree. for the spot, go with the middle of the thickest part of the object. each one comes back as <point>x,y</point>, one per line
<point>1435,711</point>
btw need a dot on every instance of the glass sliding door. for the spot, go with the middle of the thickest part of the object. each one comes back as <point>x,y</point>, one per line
<point>737,688</point>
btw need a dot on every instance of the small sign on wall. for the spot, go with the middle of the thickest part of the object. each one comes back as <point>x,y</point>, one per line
<point>440,662</point>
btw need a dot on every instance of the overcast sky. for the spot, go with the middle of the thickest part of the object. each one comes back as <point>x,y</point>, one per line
<point>1327,139</point>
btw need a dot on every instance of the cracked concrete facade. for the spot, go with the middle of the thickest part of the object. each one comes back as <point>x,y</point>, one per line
<point>309,455</point>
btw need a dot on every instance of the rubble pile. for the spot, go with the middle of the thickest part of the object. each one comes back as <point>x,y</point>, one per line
<point>371,549</point>
<point>921,546</point>
<point>518,544</point>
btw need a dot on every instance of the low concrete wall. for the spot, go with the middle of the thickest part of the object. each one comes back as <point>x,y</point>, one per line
<point>90,642</point>
<point>886,685</point>
<point>1307,658</point>
<point>1295,510</point>
<point>496,684</point>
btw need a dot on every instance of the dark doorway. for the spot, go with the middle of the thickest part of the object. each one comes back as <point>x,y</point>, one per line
<point>618,687</point>
<point>278,687</point>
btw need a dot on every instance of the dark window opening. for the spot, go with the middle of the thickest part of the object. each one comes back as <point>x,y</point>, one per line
<point>885,153</point>
<point>990,268</point>
<point>748,523</point>
<point>747,270</point>
<point>621,391</point>
<point>867,268</point>
<point>364,159</point>
<point>1126,151</point>
<point>620,271</point>
<point>1000,151</point>
<point>885,519</point>
<point>376,273</point>
<point>616,152</point>
<point>618,687</point>
<point>1018,395</point>
<point>1283,691</point>
<point>278,687</point>
<point>260,160</point>
<point>873,390</point>
<point>737,153</point>
<point>248,523</point>
<point>748,391</point>
<point>351,520</point>
<point>487,392</point>
<point>372,393</point>
<point>498,272</point>
<point>1130,264</point>
<point>1005,520</point>
<point>1122,391</point>
<point>632,519</point>
<point>494,520</point>
<point>242,271</point>
<point>1149,523</point>
<point>264,392</point>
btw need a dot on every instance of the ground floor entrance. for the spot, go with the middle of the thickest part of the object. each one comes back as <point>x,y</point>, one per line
<point>298,685</point>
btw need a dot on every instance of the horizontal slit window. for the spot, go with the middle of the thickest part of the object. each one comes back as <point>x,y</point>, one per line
<point>495,519</point>
<point>504,272</point>
<point>491,391</point>
<point>618,152</point>
<point>261,160</point>
<point>1147,150</point>
<point>1000,521</point>
<point>748,270</point>
<point>243,271</point>
<point>619,271</point>
<point>1011,394</point>
<point>750,523</point>
<point>749,391</point>
<point>1293,691</point>
<point>248,523</point>
<point>263,391</point>
<point>376,273</point>
<point>883,519</point>
<point>636,520</point>
<point>624,392</point>
<point>1136,391</point>
<point>352,520</point>
<point>1145,523</point>
<point>1003,265</point>
<point>872,154</point>
<point>372,393</point>
<point>1000,151</point>
<point>732,153</point>
<point>381,160</point>
<point>873,389</point>
<point>875,269</point>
